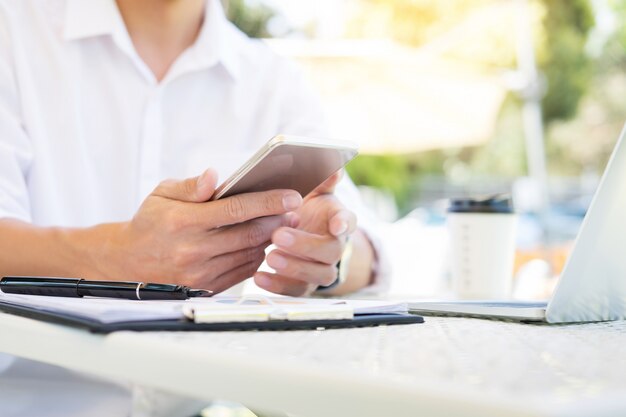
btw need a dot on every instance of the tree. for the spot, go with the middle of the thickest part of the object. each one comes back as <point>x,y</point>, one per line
<point>562,56</point>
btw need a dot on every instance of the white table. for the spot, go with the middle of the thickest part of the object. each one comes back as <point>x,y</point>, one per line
<point>445,367</point>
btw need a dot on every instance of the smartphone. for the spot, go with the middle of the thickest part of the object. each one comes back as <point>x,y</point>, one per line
<point>289,162</point>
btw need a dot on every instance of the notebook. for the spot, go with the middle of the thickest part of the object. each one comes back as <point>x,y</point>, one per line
<point>102,315</point>
<point>592,286</point>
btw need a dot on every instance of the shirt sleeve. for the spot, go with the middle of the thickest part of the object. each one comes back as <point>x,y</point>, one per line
<point>15,146</point>
<point>302,115</point>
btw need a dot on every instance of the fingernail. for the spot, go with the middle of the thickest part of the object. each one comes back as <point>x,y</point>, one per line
<point>283,238</point>
<point>292,201</point>
<point>276,261</point>
<point>263,281</point>
<point>203,180</point>
<point>343,228</point>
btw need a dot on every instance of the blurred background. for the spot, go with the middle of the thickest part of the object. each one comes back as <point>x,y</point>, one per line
<point>454,98</point>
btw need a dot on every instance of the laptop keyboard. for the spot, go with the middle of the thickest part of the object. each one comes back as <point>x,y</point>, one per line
<point>533,363</point>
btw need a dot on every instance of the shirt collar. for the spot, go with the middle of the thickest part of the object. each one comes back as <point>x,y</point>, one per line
<point>217,41</point>
<point>86,19</point>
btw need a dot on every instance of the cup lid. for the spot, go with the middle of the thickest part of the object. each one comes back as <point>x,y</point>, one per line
<point>501,203</point>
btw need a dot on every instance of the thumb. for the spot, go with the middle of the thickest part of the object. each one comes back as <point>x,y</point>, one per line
<point>193,190</point>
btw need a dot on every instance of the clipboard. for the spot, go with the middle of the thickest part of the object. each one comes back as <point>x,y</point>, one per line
<point>95,326</point>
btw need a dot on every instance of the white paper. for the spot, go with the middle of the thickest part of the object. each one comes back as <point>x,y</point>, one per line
<point>110,310</point>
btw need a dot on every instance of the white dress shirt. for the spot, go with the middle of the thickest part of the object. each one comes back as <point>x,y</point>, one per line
<point>87,132</point>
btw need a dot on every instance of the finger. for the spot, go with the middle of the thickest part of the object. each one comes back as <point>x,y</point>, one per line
<point>342,223</point>
<point>222,264</point>
<point>244,207</point>
<point>321,248</point>
<point>294,220</point>
<point>328,186</point>
<point>193,190</point>
<point>246,235</point>
<point>283,285</point>
<point>312,272</point>
<point>234,276</point>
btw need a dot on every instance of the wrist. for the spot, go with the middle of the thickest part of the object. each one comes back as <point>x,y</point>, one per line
<point>342,270</point>
<point>91,252</point>
<point>362,264</point>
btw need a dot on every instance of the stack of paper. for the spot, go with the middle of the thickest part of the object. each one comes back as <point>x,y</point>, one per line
<point>224,309</point>
<point>218,309</point>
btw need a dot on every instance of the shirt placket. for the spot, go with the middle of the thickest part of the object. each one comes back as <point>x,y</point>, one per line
<point>151,143</point>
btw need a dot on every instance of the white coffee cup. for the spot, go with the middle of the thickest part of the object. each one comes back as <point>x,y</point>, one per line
<point>482,247</point>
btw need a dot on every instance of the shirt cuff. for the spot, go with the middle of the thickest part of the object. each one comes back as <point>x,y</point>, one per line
<point>10,214</point>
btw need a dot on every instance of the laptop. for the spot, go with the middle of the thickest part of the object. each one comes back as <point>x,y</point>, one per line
<point>592,286</point>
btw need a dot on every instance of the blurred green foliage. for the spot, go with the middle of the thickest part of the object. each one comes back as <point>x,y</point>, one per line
<point>584,143</point>
<point>390,172</point>
<point>613,55</point>
<point>396,173</point>
<point>562,56</point>
<point>250,18</point>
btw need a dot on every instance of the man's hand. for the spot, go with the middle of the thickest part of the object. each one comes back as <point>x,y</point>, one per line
<point>308,251</point>
<point>179,236</point>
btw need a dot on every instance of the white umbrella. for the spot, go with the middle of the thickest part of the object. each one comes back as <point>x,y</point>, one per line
<point>391,98</point>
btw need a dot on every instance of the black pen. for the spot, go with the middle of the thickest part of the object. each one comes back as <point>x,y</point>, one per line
<point>77,287</point>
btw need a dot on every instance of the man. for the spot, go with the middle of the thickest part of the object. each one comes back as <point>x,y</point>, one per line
<point>100,101</point>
